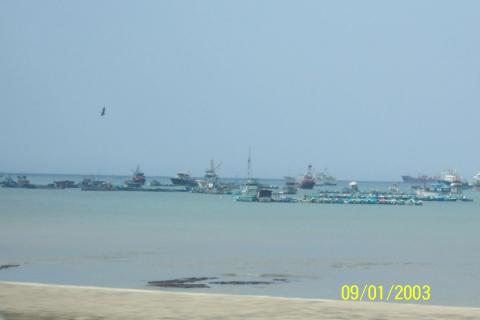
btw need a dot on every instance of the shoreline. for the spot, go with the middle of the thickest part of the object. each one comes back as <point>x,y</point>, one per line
<point>19,300</point>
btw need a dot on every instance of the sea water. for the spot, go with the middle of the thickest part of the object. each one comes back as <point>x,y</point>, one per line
<point>125,239</point>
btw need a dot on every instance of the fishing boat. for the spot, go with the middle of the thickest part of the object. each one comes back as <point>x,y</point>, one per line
<point>324,179</point>
<point>451,177</point>
<point>210,181</point>
<point>249,191</point>
<point>8,182</point>
<point>184,179</point>
<point>138,179</point>
<point>253,190</point>
<point>353,186</point>
<point>211,173</point>
<point>264,195</point>
<point>65,184</point>
<point>307,181</point>
<point>21,182</point>
<point>437,191</point>
<point>90,184</point>
<point>290,186</point>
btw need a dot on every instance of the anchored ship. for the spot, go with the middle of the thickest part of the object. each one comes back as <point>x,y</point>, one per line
<point>211,174</point>
<point>138,179</point>
<point>253,190</point>
<point>324,179</point>
<point>184,179</point>
<point>65,184</point>
<point>419,179</point>
<point>211,182</point>
<point>22,182</point>
<point>249,191</point>
<point>451,177</point>
<point>290,186</point>
<point>90,184</point>
<point>307,181</point>
<point>448,177</point>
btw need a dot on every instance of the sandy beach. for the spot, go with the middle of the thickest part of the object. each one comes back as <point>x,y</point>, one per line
<point>43,301</point>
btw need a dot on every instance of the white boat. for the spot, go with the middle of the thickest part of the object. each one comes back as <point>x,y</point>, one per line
<point>353,186</point>
<point>451,177</point>
<point>210,178</point>
<point>210,173</point>
<point>184,179</point>
<point>253,191</point>
<point>249,191</point>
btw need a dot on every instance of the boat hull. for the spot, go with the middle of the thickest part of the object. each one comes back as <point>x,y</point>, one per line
<point>307,185</point>
<point>183,182</point>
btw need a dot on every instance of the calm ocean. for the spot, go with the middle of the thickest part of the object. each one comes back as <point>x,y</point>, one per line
<point>124,239</point>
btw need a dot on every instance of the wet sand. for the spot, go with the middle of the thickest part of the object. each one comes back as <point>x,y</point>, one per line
<point>42,301</point>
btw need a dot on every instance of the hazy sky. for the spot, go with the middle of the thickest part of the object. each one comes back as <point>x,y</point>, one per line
<point>369,89</point>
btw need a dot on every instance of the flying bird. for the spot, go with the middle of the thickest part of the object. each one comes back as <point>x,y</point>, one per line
<point>103,112</point>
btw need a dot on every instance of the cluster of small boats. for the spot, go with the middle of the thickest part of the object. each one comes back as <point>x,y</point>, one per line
<point>210,181</point>
<point>23,182</point>
<point>363,198</point>
<point>449,187</point>
<point>449,177</point>
<point>353,195</point>
<point>255,192</point>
